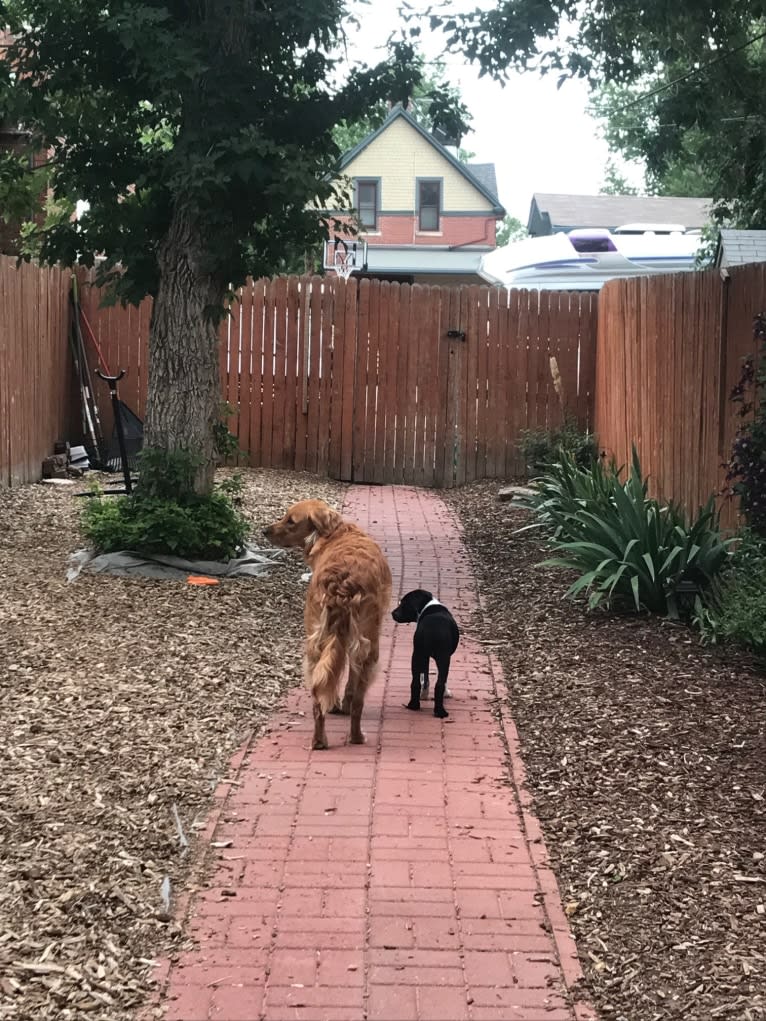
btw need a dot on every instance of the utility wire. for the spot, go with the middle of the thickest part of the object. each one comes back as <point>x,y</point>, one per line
<point>694,70</point>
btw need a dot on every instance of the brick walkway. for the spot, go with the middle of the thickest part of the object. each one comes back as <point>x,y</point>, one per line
<point>404,880</point>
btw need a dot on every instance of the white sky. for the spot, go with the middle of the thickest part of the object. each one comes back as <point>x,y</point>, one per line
<point>539,138</point>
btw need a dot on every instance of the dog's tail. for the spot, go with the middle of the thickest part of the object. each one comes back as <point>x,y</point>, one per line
<point>336,636</point>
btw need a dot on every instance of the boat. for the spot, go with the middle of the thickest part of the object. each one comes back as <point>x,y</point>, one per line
<point>584,259</point>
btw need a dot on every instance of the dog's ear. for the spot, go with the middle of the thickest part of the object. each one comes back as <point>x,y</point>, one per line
<point>324,519</point>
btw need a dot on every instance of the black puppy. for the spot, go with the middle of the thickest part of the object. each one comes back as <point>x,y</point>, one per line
<point>436,638</point>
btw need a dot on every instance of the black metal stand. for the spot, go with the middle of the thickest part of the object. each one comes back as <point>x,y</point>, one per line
<point>113,381</point>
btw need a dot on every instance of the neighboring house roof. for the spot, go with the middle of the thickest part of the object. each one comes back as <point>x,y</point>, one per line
<point>484,181</point>
<point>485,174</point>
<point>552,212</point>
<point>737,247</point>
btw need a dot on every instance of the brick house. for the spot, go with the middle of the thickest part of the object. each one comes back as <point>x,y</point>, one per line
<point>426,217</point>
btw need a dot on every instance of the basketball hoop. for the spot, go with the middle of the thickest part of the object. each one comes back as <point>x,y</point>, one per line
<point>343,259</point>
<point>344,256</point>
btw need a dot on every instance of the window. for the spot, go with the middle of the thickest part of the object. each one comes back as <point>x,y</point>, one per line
<point>429,201</point>
<point>367,203</point>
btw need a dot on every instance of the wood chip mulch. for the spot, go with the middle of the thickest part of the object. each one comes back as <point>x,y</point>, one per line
<point>121,703</point>
<point>646,755</point>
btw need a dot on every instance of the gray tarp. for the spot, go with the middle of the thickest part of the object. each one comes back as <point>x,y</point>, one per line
<point>253,562</point>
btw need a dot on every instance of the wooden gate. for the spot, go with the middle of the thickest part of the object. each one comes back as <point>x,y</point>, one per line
<point>382,382</point>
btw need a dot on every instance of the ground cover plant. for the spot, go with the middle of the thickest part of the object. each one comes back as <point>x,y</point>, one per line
<point>165,515</point>
<point>626,547</point>
<point>541,447</point>
<point>734,609</point>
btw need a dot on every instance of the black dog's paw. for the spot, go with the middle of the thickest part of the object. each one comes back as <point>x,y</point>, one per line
<point>415,706</point>
<point>441,713</point>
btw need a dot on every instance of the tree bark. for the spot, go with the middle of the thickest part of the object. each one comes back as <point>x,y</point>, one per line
<point>184,392</point>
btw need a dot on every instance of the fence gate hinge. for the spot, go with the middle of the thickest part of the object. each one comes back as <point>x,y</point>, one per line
<point>456,334</point>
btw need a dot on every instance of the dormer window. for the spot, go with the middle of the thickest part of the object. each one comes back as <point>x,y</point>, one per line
<point>429,205</point>
<point>367,203</point>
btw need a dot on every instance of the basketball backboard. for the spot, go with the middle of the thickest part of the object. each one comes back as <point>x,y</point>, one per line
<point>345,256</point>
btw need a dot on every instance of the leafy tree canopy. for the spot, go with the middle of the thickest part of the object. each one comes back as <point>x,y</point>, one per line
<point>510,229</point>
<point>224,108</point>
<point>422,105</point>
<point>680,85</point>
<point>200,133</point>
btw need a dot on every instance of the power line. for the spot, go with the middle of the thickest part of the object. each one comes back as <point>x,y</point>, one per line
<point>694,70</point>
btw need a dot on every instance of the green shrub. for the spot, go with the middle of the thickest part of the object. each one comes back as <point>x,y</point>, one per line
<point>734,608</point>
<point>625,546</point>
<point>541,448</point>
<point>565,488</point>
<point>165,516</point>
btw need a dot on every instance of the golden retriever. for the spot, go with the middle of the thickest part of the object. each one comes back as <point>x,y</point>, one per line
<point>348,595</point>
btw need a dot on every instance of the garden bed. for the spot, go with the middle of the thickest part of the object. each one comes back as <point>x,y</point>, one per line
<point>646,755</point>
<point>121,702</point>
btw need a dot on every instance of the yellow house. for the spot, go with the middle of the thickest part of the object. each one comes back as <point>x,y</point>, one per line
<point>425,216</point>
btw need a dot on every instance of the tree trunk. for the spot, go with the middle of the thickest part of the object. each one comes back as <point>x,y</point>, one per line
<point>184,392</point>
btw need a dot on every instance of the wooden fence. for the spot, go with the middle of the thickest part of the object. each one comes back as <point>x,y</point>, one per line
<point>670,349</point>
<point>35,368</point>
<point>379,382</point>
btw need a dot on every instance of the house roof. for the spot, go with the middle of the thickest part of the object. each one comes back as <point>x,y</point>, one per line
<point>737,247</point>
<point>484,181</point>
<point>485,174</point>
<point>571,211</point>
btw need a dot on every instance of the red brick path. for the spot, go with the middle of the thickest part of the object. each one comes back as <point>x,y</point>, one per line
<point>404,880</point>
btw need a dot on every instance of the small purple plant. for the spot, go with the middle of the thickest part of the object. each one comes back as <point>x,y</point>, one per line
<point>746,468</point>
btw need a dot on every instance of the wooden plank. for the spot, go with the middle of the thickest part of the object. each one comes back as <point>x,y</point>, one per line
<point>520,376</point>
<point>461,393</point>
<point>302,384</point>
<point>257,340</point>
<point>413,368</point>
<point>419,324</point>
<point>403,381</point>
<point>280,369</point>
<point>429,388</point>
<point>392,381</point>
<point>382,355</point>
<point>510,401</point>
<point>229,338</point>
<point>338,286</point>
<point>545,298</point>
<point>349,366</point>
<point>327,322</point>
<point>289,439</point>
<point>442,371</point>
<point>473,342</point>
<point>451,369</point>
<point>369,393</point>
<point>244,390</point>
<point>482,382</point>
<point>267,414</point>
<point>315,368</point>
<point>369,291</point>
<point>587,347</point>
<point>491,427</point>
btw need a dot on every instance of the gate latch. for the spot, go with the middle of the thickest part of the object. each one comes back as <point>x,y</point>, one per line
<point>456,334</point>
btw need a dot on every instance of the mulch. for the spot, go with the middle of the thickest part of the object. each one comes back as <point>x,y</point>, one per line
<point>646,756</point>
<point>121,702</point>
